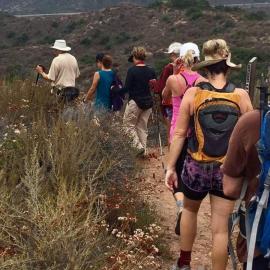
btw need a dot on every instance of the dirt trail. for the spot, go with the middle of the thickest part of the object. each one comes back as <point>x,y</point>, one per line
<point>164,202</point>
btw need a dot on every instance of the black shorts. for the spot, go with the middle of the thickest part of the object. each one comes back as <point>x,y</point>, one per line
<point>199,196</point>
<point>179,167</point>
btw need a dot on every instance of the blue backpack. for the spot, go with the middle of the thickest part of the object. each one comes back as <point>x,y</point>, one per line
<point>258,213</point>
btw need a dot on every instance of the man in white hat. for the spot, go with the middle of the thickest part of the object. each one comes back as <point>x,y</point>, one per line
<point>64,69</point>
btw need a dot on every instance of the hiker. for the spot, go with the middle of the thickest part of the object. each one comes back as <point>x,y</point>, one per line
<point>176,87</point>
<point>213,108</point>
<point>101,85</point>
<point>63,72</point>
<point>140,103</point>
<point>166,106</point>
<point>242,162</point>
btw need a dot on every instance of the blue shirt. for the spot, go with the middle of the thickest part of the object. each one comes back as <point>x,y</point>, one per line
<point>103,93</point>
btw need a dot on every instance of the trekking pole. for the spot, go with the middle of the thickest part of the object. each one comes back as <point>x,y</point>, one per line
<point>160,140</point>
<point>251,78</point>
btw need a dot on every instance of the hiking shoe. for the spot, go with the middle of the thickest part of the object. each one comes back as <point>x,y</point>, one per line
<point>178,219</point>
<point>176,267</point>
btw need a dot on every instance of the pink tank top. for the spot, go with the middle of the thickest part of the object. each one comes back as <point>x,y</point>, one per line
<point>176,101</point>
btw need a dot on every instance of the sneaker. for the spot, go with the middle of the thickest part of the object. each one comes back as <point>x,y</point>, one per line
<point>178,219</point>
<point>176,267</point>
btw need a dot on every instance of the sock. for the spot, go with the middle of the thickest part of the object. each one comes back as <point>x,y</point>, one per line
<point>180,203</point>
<point>185,258</point>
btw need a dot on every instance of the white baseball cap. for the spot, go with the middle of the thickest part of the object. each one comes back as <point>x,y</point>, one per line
<point>190,46</point>
<point>174,48</point>
<point>61,45</point>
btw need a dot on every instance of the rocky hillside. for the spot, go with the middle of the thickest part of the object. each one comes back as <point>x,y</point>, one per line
<point>25,41</point>
<point>52,6</point>
<point>48,6</point>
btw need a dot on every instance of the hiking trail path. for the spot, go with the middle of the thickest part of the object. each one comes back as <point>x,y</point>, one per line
<point>163,201</point>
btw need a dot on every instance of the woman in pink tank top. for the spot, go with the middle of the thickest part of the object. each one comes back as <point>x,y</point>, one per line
<point>176,87</point>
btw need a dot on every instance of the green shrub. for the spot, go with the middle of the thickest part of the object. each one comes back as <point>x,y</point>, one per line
<point>55,24</point>
<point>88,60</point>
<point>86,42</point>
<point>122,38</point>
<point>104,40</point>
<point>184,4</point>
<point>11,35</point>
<point>194,13</point>
<point>256,16</point>
<point>21,40</point>
<point>166,18</point>
<point>48,40</point>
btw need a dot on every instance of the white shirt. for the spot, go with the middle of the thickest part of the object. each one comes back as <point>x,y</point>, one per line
<point>64,70</point>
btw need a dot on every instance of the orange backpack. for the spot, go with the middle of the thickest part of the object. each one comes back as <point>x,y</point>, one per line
<point>216,112</point>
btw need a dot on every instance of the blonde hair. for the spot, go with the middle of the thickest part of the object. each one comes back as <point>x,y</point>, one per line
<point>216,47</point>
<point>139,53</point>
<point>188,58</point>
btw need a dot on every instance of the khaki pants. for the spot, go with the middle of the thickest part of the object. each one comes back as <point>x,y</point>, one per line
<point>135,124</point>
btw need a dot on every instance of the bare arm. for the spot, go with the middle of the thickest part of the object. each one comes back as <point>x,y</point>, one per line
<point>179,138</point>
<point>181,129</point>
<point>40,71</point>
<point>245,103</point>
<point>167,91</point>
<point>93,88</point>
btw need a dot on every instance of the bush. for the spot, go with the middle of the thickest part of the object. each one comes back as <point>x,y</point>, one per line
<point>166,18</point>
<point>88,60</point>
<point>21,40</point>
<point>184,4</point>
<point>48,40</point>
<point>104,40</point>
<point>55,24</point>
<point>194,13</point>
<point>68,191</point>
<point>256,16</point>
<point>122,38</point>
<point>86,42</point>
<point>11,35</point>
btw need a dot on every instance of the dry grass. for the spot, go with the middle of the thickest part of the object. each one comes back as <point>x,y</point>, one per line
<point>67,190</point>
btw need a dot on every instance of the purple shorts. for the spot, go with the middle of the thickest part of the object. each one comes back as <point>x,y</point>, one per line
<point>199,179</point>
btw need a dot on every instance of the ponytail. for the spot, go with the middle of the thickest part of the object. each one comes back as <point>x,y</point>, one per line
<point>188,58</point>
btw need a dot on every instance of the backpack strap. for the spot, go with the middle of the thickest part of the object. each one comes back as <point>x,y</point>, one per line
<point>228,88</point>
<point>187,83</point>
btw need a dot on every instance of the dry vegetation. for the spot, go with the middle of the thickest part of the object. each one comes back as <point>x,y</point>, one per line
<point>69,195</point>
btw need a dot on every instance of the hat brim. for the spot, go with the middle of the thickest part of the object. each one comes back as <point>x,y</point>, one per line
<point>207,63</point>
<point>66,49</point>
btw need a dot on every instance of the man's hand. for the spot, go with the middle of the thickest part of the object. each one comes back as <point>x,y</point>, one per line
<point>171,179</point>
<point>39,69</point>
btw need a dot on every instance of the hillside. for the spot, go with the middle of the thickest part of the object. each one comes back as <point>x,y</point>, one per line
<point>52,6</point>
<point>25,41</point>
<point>48,6</point>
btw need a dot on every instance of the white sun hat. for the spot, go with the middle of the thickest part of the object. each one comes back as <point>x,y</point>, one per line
<point>174,48</point>
<point>61,45</point>
<point>190,46</point>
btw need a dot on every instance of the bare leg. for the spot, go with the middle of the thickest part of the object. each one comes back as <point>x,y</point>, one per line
<point>189,223</point>
<point>220,209</point>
